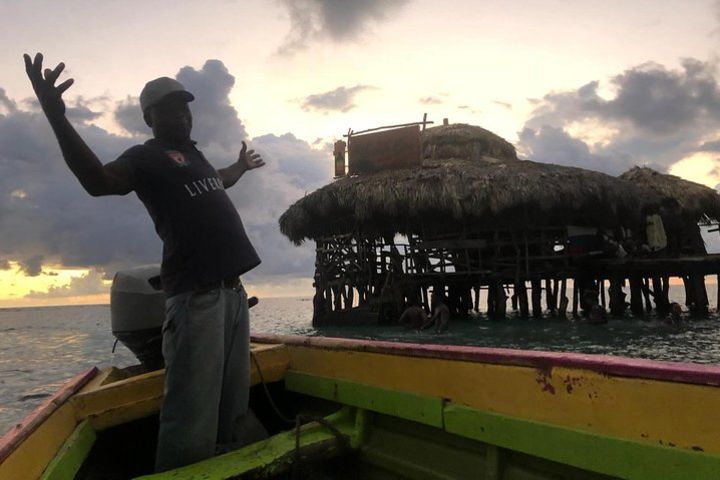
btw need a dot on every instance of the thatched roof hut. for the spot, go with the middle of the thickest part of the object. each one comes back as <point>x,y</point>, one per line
<point>461,185</point>
<point>694,200</point>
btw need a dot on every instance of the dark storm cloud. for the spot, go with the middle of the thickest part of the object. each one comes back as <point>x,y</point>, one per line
<point>657,116</point>
<point>8,104</point>
<point>32,267</point>
<point>341,99</point>
<point>88,284</point>
<point>82,113</point>
<point>130,117</point>
<point>712,146</point>
<point>215,120</point>
<point>335,20</point>
<point>47,218</point>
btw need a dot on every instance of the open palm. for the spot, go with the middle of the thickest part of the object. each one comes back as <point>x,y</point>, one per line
<point>49,94</point>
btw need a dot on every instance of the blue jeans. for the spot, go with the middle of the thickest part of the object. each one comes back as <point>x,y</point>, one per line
<point>206,346</point>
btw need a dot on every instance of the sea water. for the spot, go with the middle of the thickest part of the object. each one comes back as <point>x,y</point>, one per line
<point>40,348</point>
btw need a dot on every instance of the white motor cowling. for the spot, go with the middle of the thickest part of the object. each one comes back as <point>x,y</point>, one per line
<point>137,308</point>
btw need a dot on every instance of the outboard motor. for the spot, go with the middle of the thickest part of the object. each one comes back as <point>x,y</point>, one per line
<point>137,308</point>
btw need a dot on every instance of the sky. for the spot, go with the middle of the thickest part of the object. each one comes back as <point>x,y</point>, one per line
<point>604,85</point>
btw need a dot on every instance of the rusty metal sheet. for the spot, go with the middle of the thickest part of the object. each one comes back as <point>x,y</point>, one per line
<point>372,152</point>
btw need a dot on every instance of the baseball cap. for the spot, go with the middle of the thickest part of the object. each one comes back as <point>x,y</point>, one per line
<point>156,90</point>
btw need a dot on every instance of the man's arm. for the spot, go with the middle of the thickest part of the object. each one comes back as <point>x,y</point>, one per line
<point>247,160</point>
<point>84,164</point>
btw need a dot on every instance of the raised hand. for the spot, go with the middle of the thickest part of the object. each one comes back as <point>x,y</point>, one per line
<point>249,159</point>
<point>49,94</point>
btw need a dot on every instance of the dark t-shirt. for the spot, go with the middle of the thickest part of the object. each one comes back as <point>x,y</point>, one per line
<point>204,240</point>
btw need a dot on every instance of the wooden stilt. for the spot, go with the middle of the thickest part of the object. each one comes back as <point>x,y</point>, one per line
<point>476,289</point>
<point>555,285</point>
<point>617,297</point>
<point>576,293</point>
<point>536,286</point>
<point>550,300</point>
<point>601,287</point>
<point>636,301</point>
<point>666,291</point>
<point>657,287</point>
<point>646,294</point>
<point>701,297</point>
<point>689,294</point>
<point>490,300</point>
<point>562,309</point>
<point>522,298</point>
<point>500,300</point>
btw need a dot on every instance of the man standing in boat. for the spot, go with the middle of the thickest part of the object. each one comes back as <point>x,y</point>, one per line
<point>205,250</point>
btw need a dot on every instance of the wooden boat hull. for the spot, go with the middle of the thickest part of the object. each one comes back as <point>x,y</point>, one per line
<point>414,411</point>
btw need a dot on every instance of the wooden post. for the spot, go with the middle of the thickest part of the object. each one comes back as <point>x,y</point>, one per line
<point>576,293</point>
<point>658,296</point>
<point>500,300</point>
<point>550,295</point>
<point>490,300</point>
<point>536,286</point>
<point>646,294</point>
<point>701,297</point>
<point>689,294</point>
<point>562,310</point>
<point>617,296</point>
<point>522,298</point>
<point>636,301</point>
<point>666,291</point>
<point>601,287</point>
<point>476,288</point>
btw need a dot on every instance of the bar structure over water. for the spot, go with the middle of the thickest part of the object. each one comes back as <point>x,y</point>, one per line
<point>452,209</point>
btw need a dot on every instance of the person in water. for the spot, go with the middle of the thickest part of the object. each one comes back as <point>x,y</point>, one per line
<point>414,316</point>
<point>674,317</point>
<point>440,319</point>
<point>205,250</point>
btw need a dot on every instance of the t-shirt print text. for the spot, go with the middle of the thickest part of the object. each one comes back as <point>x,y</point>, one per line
<point>205,185</point>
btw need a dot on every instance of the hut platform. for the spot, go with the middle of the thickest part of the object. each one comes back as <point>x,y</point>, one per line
<point>663,267</point>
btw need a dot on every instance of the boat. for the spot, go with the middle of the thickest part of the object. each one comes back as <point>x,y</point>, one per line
<point>344,408</point>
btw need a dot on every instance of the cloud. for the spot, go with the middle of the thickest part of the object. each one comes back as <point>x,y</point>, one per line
<point>712,146</point>
<point>46,218</point>
<point>130,117</point>
<point>505,105</point>
<point>340,99</point>
<point>468,108</point>
<point>334,20</point>
<point>656,117</point>
<point>430,100</point>
<point>32,266</point>
<point>91,283</point>
<point>5,265</point>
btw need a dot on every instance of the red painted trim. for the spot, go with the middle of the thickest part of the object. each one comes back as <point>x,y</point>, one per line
<point>17,434</point>
<point>618,366</point>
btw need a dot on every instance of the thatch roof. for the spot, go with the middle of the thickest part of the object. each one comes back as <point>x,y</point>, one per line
<point>695,200</point>
<point>454,194</point>
<point>460,140</point>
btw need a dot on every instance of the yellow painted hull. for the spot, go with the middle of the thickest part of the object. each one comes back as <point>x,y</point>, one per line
<point>662,410</point>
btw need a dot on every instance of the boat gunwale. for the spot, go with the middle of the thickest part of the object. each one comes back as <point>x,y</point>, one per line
<point>681,372</point>
<point>17,434</point>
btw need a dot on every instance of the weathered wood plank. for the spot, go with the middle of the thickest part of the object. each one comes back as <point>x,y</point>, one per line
<point>21,431</point>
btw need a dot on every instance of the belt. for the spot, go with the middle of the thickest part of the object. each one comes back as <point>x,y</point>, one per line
<point>229,282</point>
